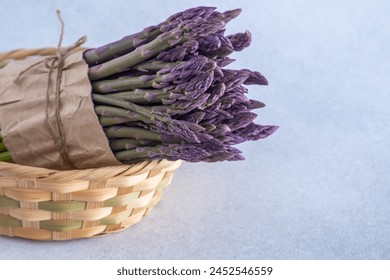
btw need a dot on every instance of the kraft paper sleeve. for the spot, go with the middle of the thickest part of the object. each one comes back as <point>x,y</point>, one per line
<point>25,127</point>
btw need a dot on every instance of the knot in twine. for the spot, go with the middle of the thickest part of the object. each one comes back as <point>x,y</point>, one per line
<point>52,63</point>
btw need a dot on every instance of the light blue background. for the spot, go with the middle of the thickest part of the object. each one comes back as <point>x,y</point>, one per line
<point>317,189</point>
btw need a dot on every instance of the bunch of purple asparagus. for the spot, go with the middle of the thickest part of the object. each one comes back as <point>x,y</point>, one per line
<point>164,93</point>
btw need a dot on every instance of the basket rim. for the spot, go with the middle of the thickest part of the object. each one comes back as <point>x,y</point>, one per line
<point>18,54</point>
<point>153,164</point>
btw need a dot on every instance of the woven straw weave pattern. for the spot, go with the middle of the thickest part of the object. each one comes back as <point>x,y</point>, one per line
<point>43,204</point>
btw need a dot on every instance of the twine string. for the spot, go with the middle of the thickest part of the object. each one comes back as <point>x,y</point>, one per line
<point>52,63</point>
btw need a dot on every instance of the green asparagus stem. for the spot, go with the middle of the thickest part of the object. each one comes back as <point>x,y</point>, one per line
<point>140,54</point>
<point>5,156</point>
<point>110,111</point>
<point>131,154</point>
<point>128,83</point>
<point>141,96</point>
<point>121,84</point>
<point>121,47</point>
<point>109,121</point>
<point>2,147</point>
<point>129,143</point>
<point>154,65</point>
<point>132,132</point>
<point>162,123</point>
<point>129,106</point>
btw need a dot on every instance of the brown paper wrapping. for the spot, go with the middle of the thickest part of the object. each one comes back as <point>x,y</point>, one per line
<point>24,125</point>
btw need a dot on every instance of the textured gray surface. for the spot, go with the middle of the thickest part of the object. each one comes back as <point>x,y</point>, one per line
<point>317,189</point>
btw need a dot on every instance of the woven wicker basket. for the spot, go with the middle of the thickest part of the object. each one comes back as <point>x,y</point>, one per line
<point>43,204</point>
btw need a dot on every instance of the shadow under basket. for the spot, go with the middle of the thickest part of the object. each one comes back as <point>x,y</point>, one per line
<point>43,204</point>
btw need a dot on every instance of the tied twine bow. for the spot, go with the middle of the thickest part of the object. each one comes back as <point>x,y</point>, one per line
<point>52,63</point>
